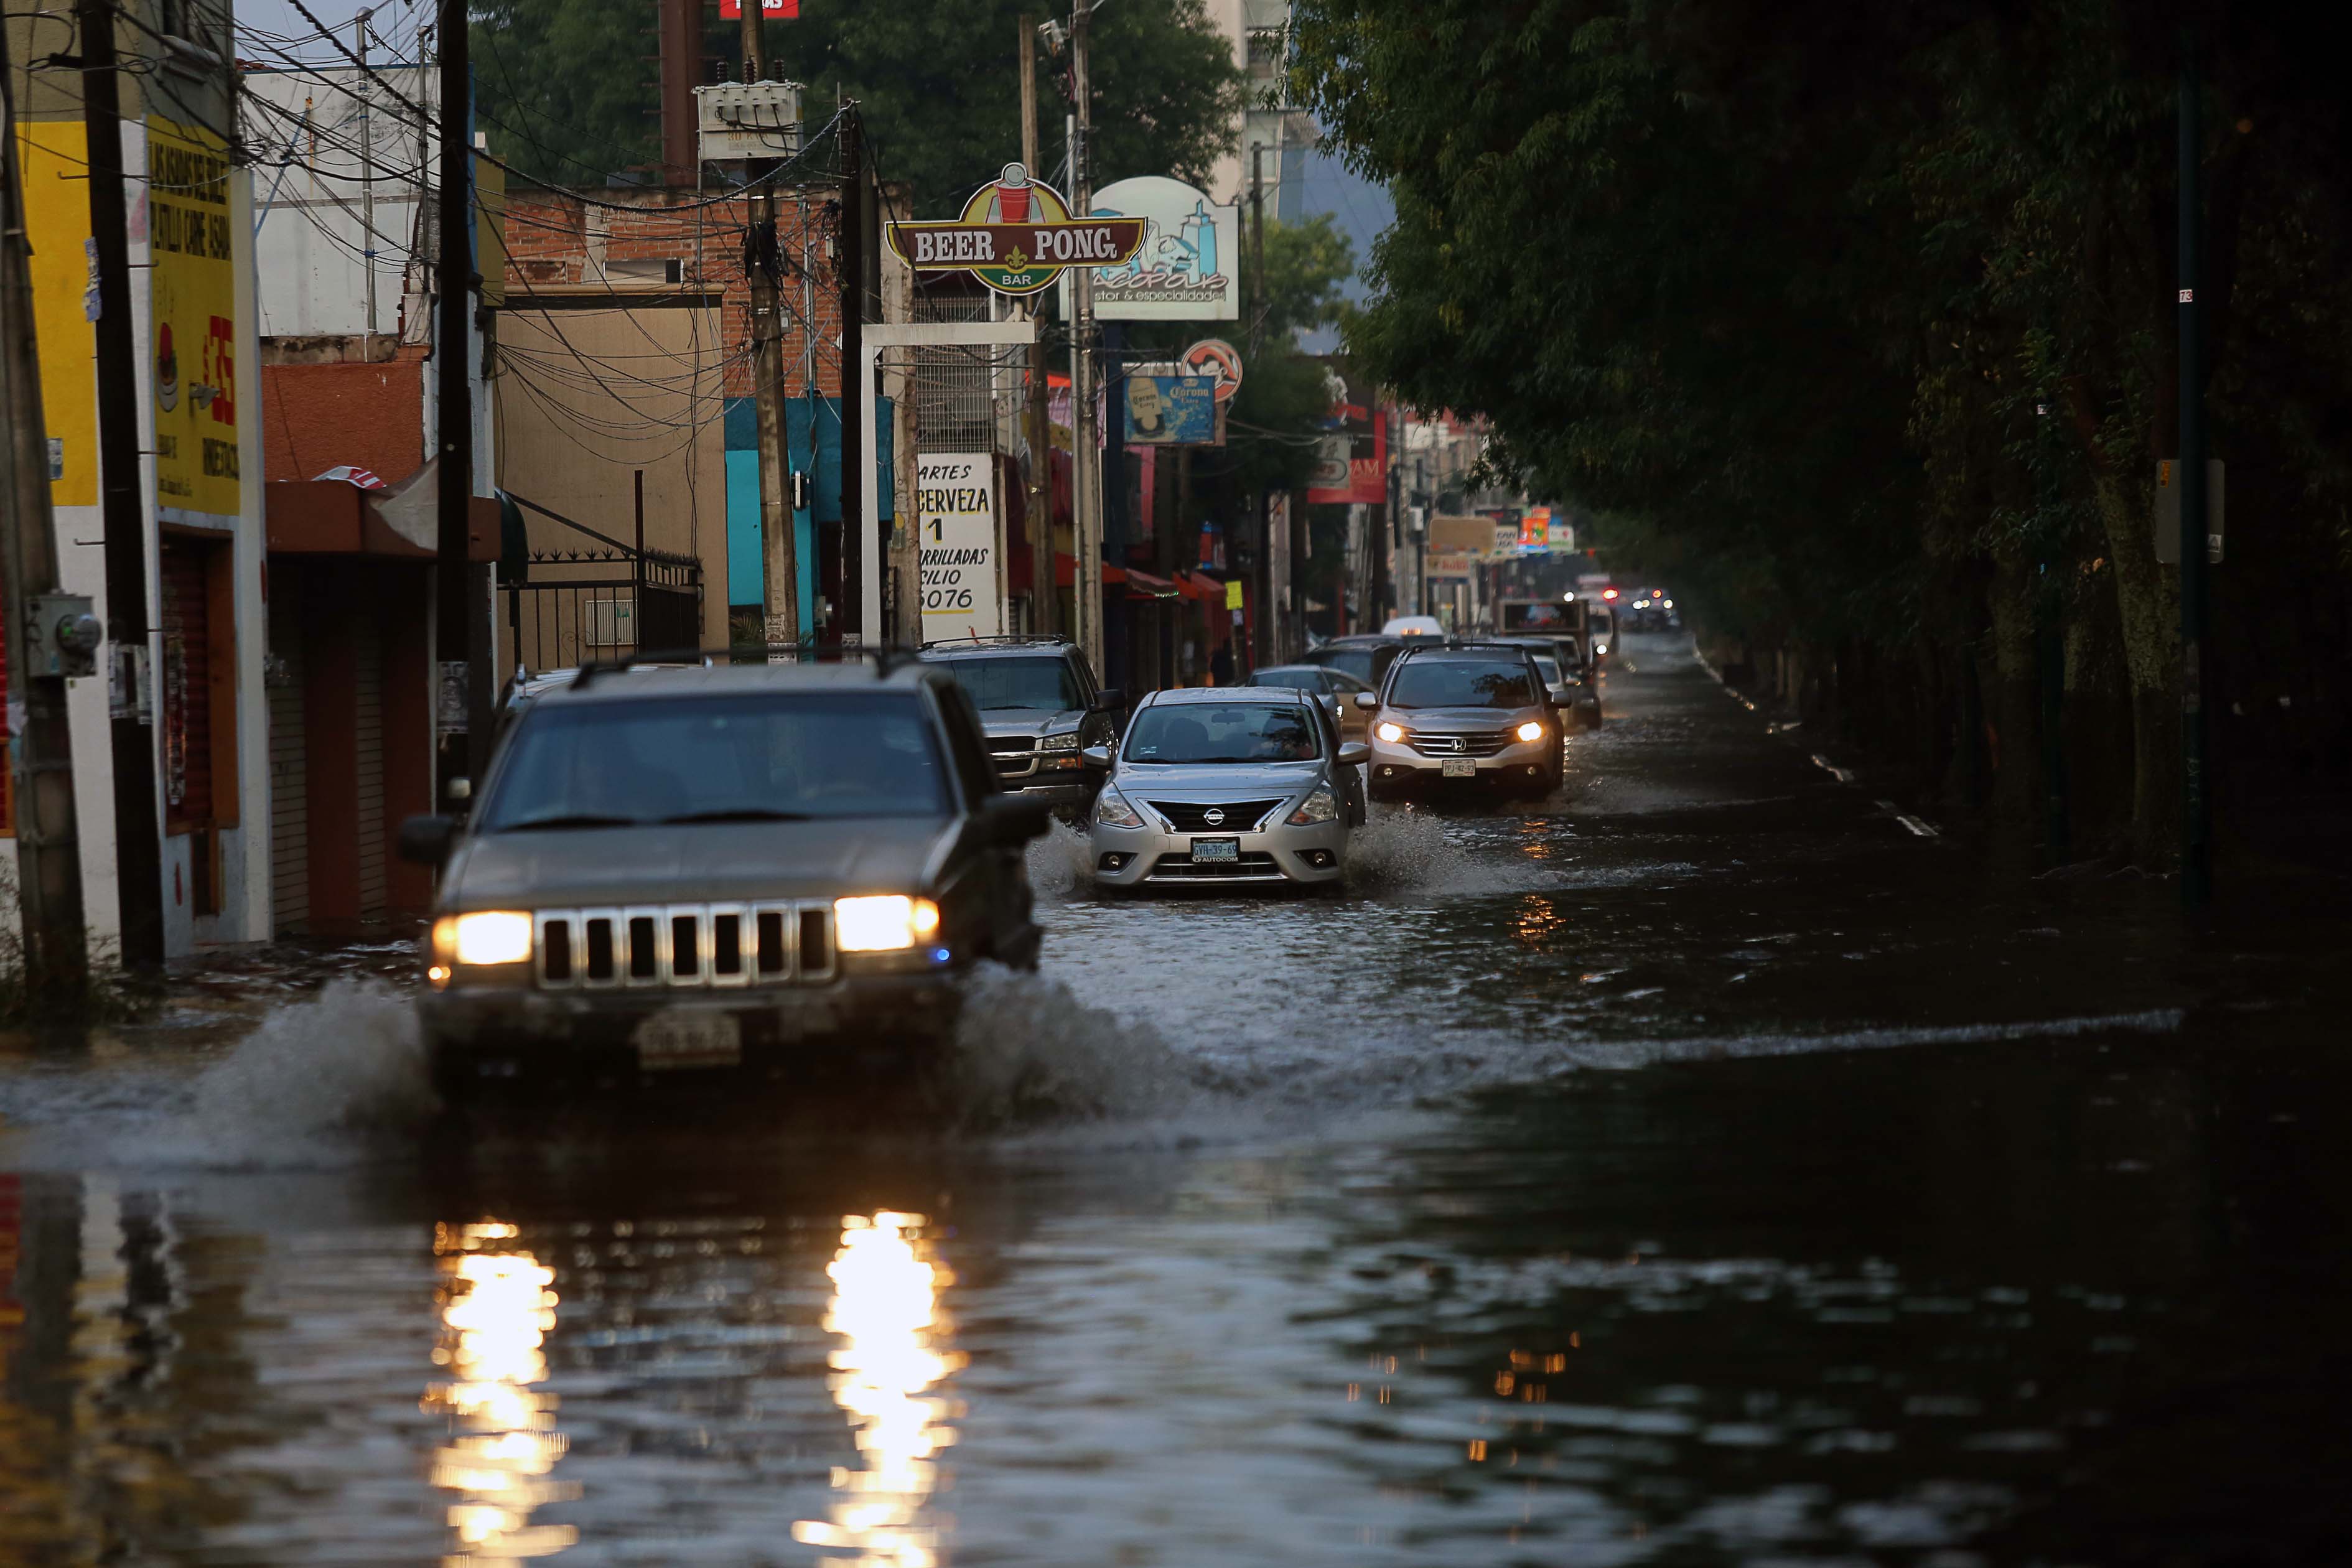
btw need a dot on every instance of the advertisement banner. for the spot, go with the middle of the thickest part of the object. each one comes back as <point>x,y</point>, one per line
<point>1171,410</point>
<point>194,375</point>
<point>53,162</point>
<point>1352,463</point>
<point>955,512</point>
<point>1187,267</point>
<point>1016,236</point>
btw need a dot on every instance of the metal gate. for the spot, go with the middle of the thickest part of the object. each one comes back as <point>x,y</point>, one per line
<point>602,601</point>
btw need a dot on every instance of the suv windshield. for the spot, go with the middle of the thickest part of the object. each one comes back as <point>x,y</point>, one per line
<point>1462,683</point>
<point>1218,732</point>
<point>754,757</point>
<point>1356,661</point>
<point>1048,684</point>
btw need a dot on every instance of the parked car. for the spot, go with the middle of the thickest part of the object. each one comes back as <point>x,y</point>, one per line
<point>1225,787</point>
<point>712,867</point>
<point>1565,653</point>
<point>1367,657</point>
<point>1039,708</point>
<point>1334,686</point>
<point>1469,716</point>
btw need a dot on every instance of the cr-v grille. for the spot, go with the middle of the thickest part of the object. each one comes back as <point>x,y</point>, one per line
<point>1232,816</point>
<point>1475,744</point>
<point>685,946</point>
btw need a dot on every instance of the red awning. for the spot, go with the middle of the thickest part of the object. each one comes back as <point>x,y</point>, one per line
<point>1066,572</point>
<point>1193,585</point>
<point>1144,585</point>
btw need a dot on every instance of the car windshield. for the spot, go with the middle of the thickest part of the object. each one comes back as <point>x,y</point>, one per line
<point>754,757</point>
<point>1047,685</point>
<point>1549,668</point>
<point>1296,679</point>
<point>1356,661</point>
<point>1462,683</point>
<point>1222,732</point>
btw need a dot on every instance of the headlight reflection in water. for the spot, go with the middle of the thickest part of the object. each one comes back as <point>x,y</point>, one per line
<point>886,1307</point>
<point>496,1310</point>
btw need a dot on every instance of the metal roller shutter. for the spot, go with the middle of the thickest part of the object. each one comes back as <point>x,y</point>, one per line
<point>367,721</point>
<point>289,783</point>
<point>187,689</point>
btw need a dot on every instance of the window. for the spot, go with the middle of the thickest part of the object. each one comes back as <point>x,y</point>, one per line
<point>1035,685</point>
<point>1222,732</point>
<point>1462,683</point>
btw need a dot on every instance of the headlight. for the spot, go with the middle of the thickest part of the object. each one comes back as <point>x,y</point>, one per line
<point>1530,731</point>
<point>1066,741</point>
<point>484,937</point>
<point>1316,807</point>
<point>1601,647</point>
<point>1391,734</point>
<point>883,922</point>
<point>1112,811</point>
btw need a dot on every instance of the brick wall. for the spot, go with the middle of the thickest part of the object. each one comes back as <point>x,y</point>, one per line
<point>314,416</point>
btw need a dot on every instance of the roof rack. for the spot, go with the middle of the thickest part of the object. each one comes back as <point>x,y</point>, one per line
<point>1014,639</point>
<point>885,658</point>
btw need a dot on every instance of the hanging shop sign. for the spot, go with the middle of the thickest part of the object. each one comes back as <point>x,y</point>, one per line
<point>194,375</point>
<point>1187,266</point>
<point>1016,236</point>
<point>1217,358</point>
<point>1351,460</point>
<point>1171,410</point>
<point>955,513</point>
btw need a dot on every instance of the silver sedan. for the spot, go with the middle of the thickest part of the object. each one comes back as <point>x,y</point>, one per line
<point>1222,787</point>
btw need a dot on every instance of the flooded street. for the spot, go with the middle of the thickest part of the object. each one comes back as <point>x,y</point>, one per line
<point>1706,1167</point>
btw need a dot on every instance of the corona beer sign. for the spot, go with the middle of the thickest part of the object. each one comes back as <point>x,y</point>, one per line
<point>1016,236</point>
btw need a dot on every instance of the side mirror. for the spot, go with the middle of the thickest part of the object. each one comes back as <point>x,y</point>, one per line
<point>1095,756</point>
<point>427,840</point>
<point>1014,818</point>
<point>1109,699</point>
<point>1559,695</point>
<point>1355,754</point>
<point>1369,701</point>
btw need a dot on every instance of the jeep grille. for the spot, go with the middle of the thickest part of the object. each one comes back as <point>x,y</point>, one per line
<point>693,945</point>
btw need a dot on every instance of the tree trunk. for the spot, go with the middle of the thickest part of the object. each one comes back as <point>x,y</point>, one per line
<point>2147,602</point>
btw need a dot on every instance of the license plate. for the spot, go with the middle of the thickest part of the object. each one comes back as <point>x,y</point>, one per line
<point>1225,851</point>
<point>1457,768</point>
<point>689,1037</point>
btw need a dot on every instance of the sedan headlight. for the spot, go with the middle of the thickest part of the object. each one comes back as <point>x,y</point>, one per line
<point>883,922</point>
<point>484,937</point>
<point>1067,740</point>
<point>1530,731</point>
<point>1316,807</point>
<point>1112,810</point>
<point>1391,734</point>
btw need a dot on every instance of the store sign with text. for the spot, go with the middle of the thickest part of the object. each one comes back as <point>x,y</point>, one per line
<point>1351,462</point>
<point>772,10</point>
<point>1016,236</point>
<point>191,242</point>
<point>955,510</point>
<point>1187,264</point>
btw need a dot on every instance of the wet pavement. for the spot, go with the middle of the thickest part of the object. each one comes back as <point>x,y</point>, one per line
<point>1704,1165</point>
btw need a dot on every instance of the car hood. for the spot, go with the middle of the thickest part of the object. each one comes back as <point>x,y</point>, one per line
<point>727,862</point>
<point>1216,781</point>
<point>1458,720</point>
<point>1000,722</point>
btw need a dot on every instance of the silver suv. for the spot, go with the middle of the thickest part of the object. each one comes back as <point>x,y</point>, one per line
<point>1467,716</point>
<point>1040,708</point>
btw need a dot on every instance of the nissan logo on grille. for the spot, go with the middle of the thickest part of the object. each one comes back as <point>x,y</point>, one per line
<point>1214,817</point>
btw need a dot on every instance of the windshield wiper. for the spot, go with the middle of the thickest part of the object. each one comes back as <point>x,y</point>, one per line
<point>571,819</point>
<point>738,814</point>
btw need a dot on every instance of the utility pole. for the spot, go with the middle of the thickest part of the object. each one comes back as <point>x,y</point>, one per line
<point>679,31</point>
<point>1039,512</point>
<point>779,559</point>
<point>2196,806</point>
<point>856,387</point>
<point>1262,644</point>
<point>454,413</point>
<point>367,184</point>
<point>1085,464</point>
<point>137,833</point>
<point>48,858</point>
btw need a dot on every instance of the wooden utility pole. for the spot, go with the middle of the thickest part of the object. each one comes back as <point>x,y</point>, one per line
<point>48,857</point>
<point>679,30</point>
<point>1044,609</point>
<point>365,87</point>
<point>1261,645</point>
<point>2196,804</point>
<point>137,833</point>
<point>1085,464</point>
<point>778,553</point>
<point>856,389</point>
<point>454,413</point>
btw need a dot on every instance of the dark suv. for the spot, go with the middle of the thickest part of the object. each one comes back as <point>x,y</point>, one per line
<point>715,867</point>
<point>1040,708</point>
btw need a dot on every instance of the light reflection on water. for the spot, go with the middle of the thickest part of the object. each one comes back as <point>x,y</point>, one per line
<point>496,1311</point>
<point>886,1307</point>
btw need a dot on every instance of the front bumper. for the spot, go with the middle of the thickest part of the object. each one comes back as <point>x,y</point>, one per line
<point>1156,856</point>
<point>880,1020</point>
<point>1396,766</point>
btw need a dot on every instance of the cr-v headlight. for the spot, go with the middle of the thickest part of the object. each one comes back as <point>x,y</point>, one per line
<point>883,922</point>
<point>1112,810</point>
<point>1318,807</point>
<point>1391,734</point>
<point>1530,731</point>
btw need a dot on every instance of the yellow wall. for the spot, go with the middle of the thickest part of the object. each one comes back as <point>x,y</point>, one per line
<point>53,156</point>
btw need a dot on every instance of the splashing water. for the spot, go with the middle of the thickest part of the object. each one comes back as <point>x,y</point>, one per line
<point>1027,1051</point>
<point>351,1061</point>
<point>1061,863</point>
<point>1406,849</point>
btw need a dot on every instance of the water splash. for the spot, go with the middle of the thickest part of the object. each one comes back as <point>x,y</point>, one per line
<point>350,1061</point>
<point>1407,849</point>
<point>1028,1051</point>
<point>1061,863</point>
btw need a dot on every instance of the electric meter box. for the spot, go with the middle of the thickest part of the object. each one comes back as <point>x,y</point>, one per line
<point>742,120</point>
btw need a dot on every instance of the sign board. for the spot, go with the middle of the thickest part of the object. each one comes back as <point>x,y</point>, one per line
<point>1187,266</point>
<point>194,294</point>
<point>1217,359</point>
<point>1016,236</point>
<point>955,512</point>
<point>770,10</point>
<point>2168,512</point>
<point>1562,533</point>
<point>1234,595</point>
<point>1506,538</point>
<point>1449,564</point>
<point>1351,462</point>
<point>1171,410</point>
<point>1459,533</point>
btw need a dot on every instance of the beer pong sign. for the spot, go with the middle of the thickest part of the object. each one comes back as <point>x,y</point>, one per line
<point>1016,236</point>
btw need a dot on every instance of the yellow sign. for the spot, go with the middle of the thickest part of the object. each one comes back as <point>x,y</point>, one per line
<point>53,155</point>
<point>193,384</point>
<point>1233,594</point>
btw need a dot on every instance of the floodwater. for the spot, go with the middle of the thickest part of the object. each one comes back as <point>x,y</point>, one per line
<point>1703,1166</point>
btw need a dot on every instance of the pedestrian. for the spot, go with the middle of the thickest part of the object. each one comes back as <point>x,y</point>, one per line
<point>1221,665</point>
